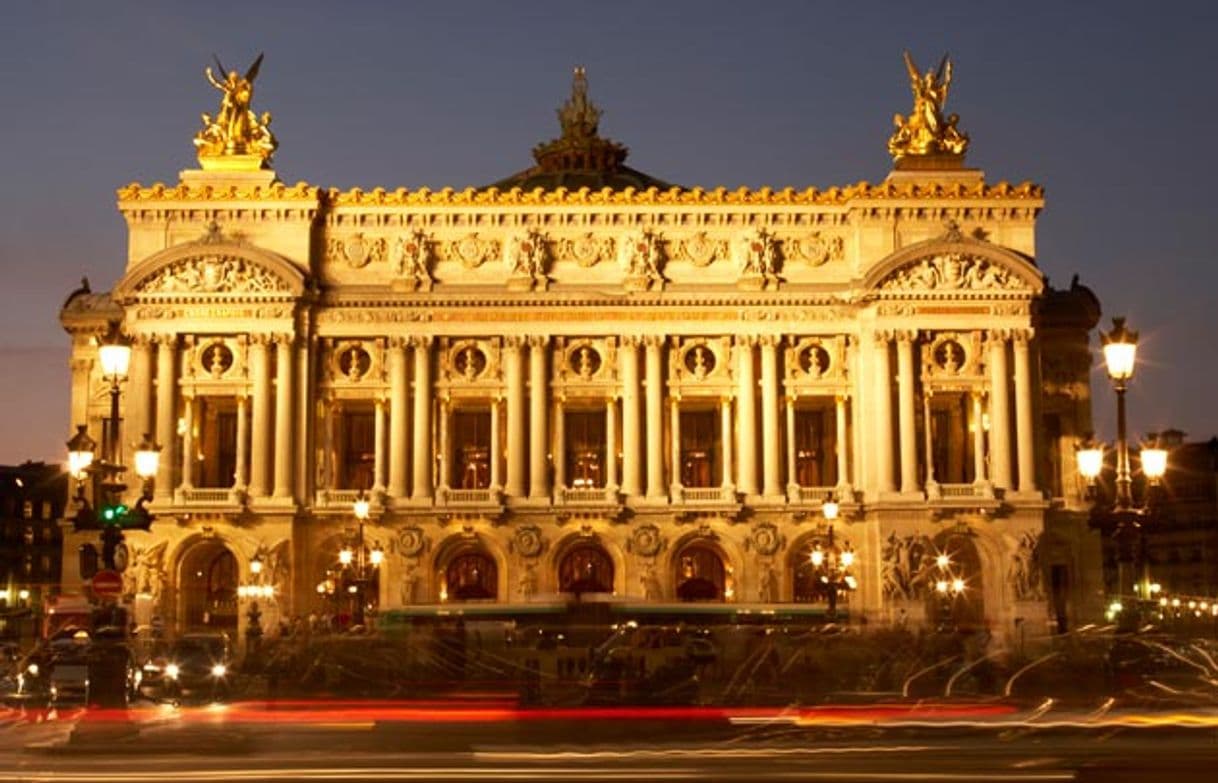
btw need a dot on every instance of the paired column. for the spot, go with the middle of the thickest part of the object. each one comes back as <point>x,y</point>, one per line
<point>746,417</point>
<point>496,456</point>
<point>978,439</point>
<point>446,444</point>
<point>792,474</point>
<point>769,415</point>
<point>632,451</point>
<point>674,408</point>
<point>260,369</point>
<point>166,421</point>
<point>513,372</point>
<point>284,450</point>
<point>139,394</point>
<point>421,489</point>
<point>885,469</point>
<point>1023,413</point>
<point>539,475</point>
<point>725,427</point>
<point>399,455</point>
<point>655,428</point>
<point>611,445</point>
<point>188,443</point>
<point>906,411</point>
<point>1000,412</point>
<point>840,442</point>
<point>560,447</point>
<point>241,479</point>
<point>378,458</point>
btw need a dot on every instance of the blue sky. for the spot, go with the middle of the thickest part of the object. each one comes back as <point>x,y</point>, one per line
<point>1110,105</point>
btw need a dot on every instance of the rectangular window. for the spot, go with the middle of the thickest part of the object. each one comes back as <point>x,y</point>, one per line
<point>700,462</point>
<point>815,447</point>
<point>952,437</point>
<point>216,442</point>
<point>357,457</point>
<point>585,448</point>
<point>472,449</point>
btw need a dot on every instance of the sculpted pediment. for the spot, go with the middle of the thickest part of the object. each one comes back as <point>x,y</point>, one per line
<point>952,272</point>
<point>226,270</point>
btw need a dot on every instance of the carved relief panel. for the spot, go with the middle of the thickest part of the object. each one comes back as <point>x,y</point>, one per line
<point>953,360</point>
<point>353,368</point>
<point>470,366</point>
<point>585,366</point>
<point>214,364</point>
<point>817,365</point>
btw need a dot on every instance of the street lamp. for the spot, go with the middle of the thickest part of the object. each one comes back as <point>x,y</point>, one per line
<point>99,486</point>
<point>831,564</point>
<point>358,571</point>
<point>1120,346</point>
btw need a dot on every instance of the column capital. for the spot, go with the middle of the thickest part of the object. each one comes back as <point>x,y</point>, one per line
<point>630,341</point>
<point>142,340</point>
<point>284,339</point>
<point>1022,337</point>
<point>420,340</point>
<point>537,341</point>
<point>261,338</point>
<point>906,336</point>
<point>745,340</point>
<point>997,335</point>
<point>653,341</point>
<point>164,338</point>
<point>883,337</point>
<point>768,340</point>
<point>513,342</point>
<point>398,342</point>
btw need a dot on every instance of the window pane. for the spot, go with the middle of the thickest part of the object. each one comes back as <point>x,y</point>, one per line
<point>472,449</point>
<point>585,448</point>
<point>700,449</point>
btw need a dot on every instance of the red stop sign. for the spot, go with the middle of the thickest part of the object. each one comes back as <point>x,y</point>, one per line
<point>107,584</point>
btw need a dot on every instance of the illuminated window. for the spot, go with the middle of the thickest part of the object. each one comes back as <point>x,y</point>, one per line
<point>472,444</point>
<point>585,448</point>
<point>357,455</point>
<point>815,447</point>
<point>700,463</point>
<point>216,441</point>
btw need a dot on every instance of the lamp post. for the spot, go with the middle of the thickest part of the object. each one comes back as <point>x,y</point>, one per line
<point>1120,351</point>
<point>99,486</point>
<point>949,586</point>
<point>831,565</point>
<point>360,566</point>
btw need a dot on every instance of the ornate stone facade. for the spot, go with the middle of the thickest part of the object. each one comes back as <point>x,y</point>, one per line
<point>477,362</point>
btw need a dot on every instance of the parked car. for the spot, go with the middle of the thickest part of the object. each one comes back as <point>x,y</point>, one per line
<point>199,666</point>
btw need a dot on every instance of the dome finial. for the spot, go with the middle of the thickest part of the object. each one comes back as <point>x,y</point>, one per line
<point>579,117</point>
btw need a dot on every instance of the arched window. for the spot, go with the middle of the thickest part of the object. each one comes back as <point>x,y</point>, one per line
<point>471,575</point>
<point>209,588</point>
<point>585,568</point>
<point>700,574</point>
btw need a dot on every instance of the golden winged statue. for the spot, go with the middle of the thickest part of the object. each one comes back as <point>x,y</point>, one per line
<point>926,131</point>
<point>235,138</point>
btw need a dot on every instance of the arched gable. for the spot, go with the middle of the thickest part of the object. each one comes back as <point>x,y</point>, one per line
<point>211,269</point>
<point>954,266</point>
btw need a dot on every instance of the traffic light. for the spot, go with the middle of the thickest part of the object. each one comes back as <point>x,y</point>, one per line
<point>114,515</point>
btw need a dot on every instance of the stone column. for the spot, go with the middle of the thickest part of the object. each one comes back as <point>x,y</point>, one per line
<point>885,478</point>
<point>166,421</point>
<point>906,411</point>
<point>840,444</point>
<point>978,439</point>
<point>725,430</point>
<point>611,445</point>
<point>1023,414</point>
<point>260,451</point>
<point>539,474</point>
<point>769,416</point>
<point>513,377</point>
<point>188,443</point>
<point>306,356</point>
<point>329,460</point>
<point>560,447</point>
<point>655,427</point>
<point>1000,412</point>
<point>746,417</point>
<point>632,446</point>
<point>446,444</point>
<point>421,485</point>
<point>399,455</point>
<point>284,451</point>
<point>792,474</point>
<point>241,479</point>
<point>378,457</point>
<point>675,428</point>
<point>139,385</point>
<point>496,448</point>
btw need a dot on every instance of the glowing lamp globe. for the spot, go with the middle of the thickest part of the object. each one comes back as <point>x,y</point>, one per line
<point>1154,463</point>
<point>114,354</point>
<point>81,449</point>
<point>1090,456</point>
<point>147,458</point>
<point>1120,349</point>
<point>361,507</point>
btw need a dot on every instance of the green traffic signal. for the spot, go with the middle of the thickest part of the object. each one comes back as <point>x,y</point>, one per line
<point>112,514</point>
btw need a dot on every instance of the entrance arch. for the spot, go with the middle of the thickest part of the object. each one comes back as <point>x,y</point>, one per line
<point>699,573</point>
<point>207,588</point>
<point>585,568</point>
<point>470,574</point>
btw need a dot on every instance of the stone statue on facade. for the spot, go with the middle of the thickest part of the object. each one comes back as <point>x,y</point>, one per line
<point>926,132</point>
<point>235,132</point>
<point>528,582</point>
<point>767,590</point>
<point>650,584</point>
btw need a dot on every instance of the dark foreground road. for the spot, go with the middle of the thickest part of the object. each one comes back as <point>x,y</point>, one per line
<point>341,742</point>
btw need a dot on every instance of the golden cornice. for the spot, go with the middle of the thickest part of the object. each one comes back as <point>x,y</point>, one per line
<point>493,197</point>
<point>277,191</point>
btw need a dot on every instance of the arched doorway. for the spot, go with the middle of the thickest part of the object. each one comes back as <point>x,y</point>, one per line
<point>585,568</point>
<point>956,594</point>
<point>207,586</point>
<point>699,573</point>
<point>470,575</point>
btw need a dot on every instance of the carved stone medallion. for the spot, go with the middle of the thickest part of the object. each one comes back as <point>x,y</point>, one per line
<point>766,539</point>
<point>411,541</point>
<point>528,541</point>
<point>646,541</point>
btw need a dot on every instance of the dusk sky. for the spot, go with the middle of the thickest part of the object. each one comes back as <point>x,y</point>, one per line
<point>1113,107</point>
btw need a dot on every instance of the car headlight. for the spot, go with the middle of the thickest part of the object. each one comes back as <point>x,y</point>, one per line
<point>151,667</point>
<point>32,669</point>
<point>219,670</point>
<point>171,671</point>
